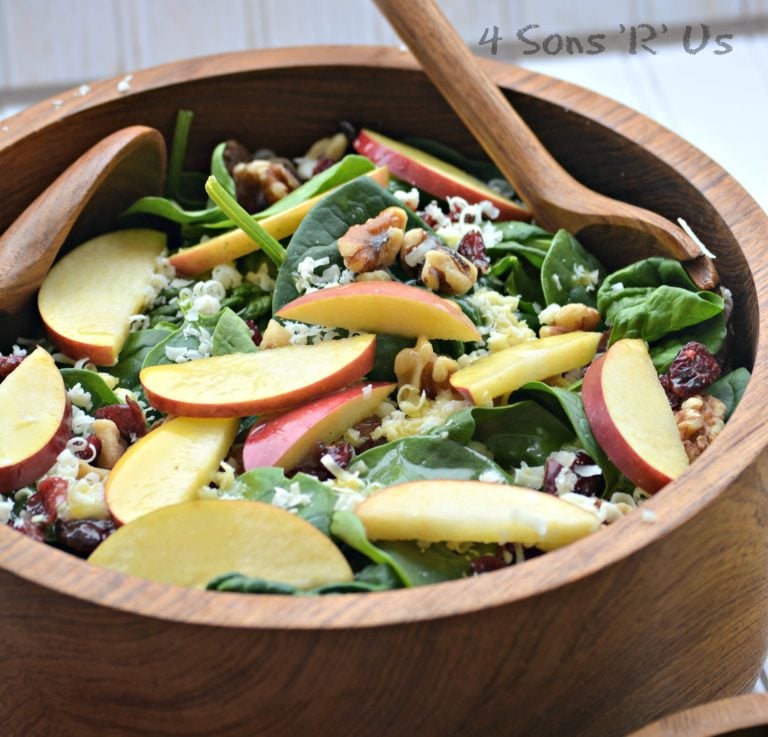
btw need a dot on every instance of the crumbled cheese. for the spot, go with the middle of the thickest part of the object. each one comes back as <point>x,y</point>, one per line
<point>565,481</point>
<point>291,498</point>
<point>306,280</point>
<point>227,275</point>
<point>85,496</point>
<point>305,166</point>
<point>223,480</point>
<point>549,313</point>
<point>501,327</point>
<point>585,278</point>
<point>79,397</point>
<point>124,85</point>
<point>465,218</point>
<point>416,414</point>
<point>687,228</point>
<point>18,351</point>
<point>417,255</point>
<point>491,476</point>
<point>605,511</point>
<point>138,322</point>
<point>78,444</point>
<point>409,199</point>
<point>81,423</point>
<point>587,471</point>
<point>261,278</point>
<point>6,507</point>
<point>303,334</point>
<point>530,476</point>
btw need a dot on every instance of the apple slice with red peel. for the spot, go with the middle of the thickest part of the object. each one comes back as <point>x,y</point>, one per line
<point>473,511</point>
<point>168,465</point>
<point>235,243</point>
<point>189,544</point>
<point>504,371</point>
<point>630,416</point>
<point>383,307</point>
<point>288,439</point>
<point>431,174</point>
<point>34,420</point>
<point>89,295</point>
<point>241,384</point>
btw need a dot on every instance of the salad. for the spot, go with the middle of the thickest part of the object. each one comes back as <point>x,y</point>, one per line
<point>360,369</point>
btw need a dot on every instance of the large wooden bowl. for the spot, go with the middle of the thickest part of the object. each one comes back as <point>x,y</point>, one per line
<point>597,639</point>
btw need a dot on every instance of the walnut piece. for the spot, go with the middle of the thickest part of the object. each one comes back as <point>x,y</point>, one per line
<point>331,148</point>
<point>275,336</point>
<point>448,272</point>
<point>374,244</point>
<point>571,318</point>
<point>416,243</point>
<point>112,445</point>
<point>262,182</point>
<point>421,368</point>
<point>700,420</point>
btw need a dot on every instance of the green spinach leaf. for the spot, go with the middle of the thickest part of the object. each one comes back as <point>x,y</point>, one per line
<point>569,273</point>
<point>730,388</point>
<point>425,565</point>
<point>231,335</point>
<point>192,335</point>
<point>710,333</point>
<point>134,353</point>
<point>90,381</point>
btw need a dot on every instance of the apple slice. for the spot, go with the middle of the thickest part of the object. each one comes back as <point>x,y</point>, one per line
<point>286,440</point>
<point>241,384</point>
<point>383,307</point>
<point>500,373</point>
<point>473,511</point>
<point>431,174</point>
<point>189,544</point>
<point>168,465</point>
<point>89,295</point>
<point>235,243</point>
<point>629,414</point>
<point>34,420</point>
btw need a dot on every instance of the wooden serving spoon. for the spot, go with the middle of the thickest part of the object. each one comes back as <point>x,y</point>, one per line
<point>83,201</point>
<point>615,231</point>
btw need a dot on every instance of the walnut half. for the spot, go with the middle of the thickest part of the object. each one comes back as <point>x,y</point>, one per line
<point>422,368</point>
<point>374,244</point>
<point>448,272</point>
<point>571,318</point>
<point>700,419</point>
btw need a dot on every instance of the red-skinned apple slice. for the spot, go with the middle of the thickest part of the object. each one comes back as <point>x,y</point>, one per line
<point>504,371</point>
<point>241,384</point>
<point>168,465</point>
<point>286,440</point>
<point>431,174</point>
<point>34,420</point>
<point>383,307</point>
<point>235,243</point>
<point>473,511</point>
<point>630,416</point>
<point>89,295</point>
<point>189,544</point>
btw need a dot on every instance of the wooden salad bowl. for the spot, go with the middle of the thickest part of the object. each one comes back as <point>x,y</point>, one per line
<point>599,638</point>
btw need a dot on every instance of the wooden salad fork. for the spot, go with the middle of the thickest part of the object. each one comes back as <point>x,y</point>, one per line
<point>84,200</point>
<point>615,231</point>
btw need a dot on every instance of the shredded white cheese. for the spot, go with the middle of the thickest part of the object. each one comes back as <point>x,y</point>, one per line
<point>306,280</point>
<point>79,397</point>
<point>261,278</point>
<point>291,499</point>
<point>530,476</point>
<point>409,199</point>
<point>6,507</point>
<point>501,327</point>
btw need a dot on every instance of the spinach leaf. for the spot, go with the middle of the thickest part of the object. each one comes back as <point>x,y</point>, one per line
<point>101,394</point>
<point>192,335</point>
<point>172,210</point>
<point>249,301</point>
<point>351,204</point>
<point>517,433</point>
<point>665,310</point>
<point>231,335</point>
<point>525,234</point>
<point>710,333</point>
<point>518,281</point>
<point>387,347</point>
<point>261,484</point>
<point>134,353</point>
<point>219,168</point>
<point>241,584</point>
<point>347,527</point>
<point>433,564</point>
<point>730,388</point>
<point>569,273</point>
<point>426,457</point>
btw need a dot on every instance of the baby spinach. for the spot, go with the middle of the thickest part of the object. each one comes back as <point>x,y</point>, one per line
<point>516,433</point>
<point>134,353</point>
<point>90,381</point>
<point>231,335</point>
<point>351,204</point>
<point>710,333</point>
<point>569,273</point>
<point>260,485</point>
<point>730,388</point>
<point>664,310</point>
<point>387,347</point>
<point>424,565</point>
<point>190,336</point>
<point>425,457</point>
<point>517,280</point>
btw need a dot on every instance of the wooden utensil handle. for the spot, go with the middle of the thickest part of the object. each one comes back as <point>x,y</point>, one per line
<point>482,107</point>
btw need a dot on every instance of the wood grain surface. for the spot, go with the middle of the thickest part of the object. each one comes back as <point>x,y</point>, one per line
<point>635,622</point>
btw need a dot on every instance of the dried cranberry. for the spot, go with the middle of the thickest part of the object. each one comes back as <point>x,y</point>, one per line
<point>472,247</point>
<point>365,428</point>
<point>53,493</point>
<point>693,369</point>
<point>341,452</point>
<point>256,335</point>
<point>666,385</point>
<point>487,563</point>
<point>128,417</point>
<point>91,450</point>
<point>83,536</point>
<point>8,364</point>
<point>322,164</point>
<point>587,485</point>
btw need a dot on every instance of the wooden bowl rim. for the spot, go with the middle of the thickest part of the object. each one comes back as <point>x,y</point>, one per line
<point>744,435</point>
